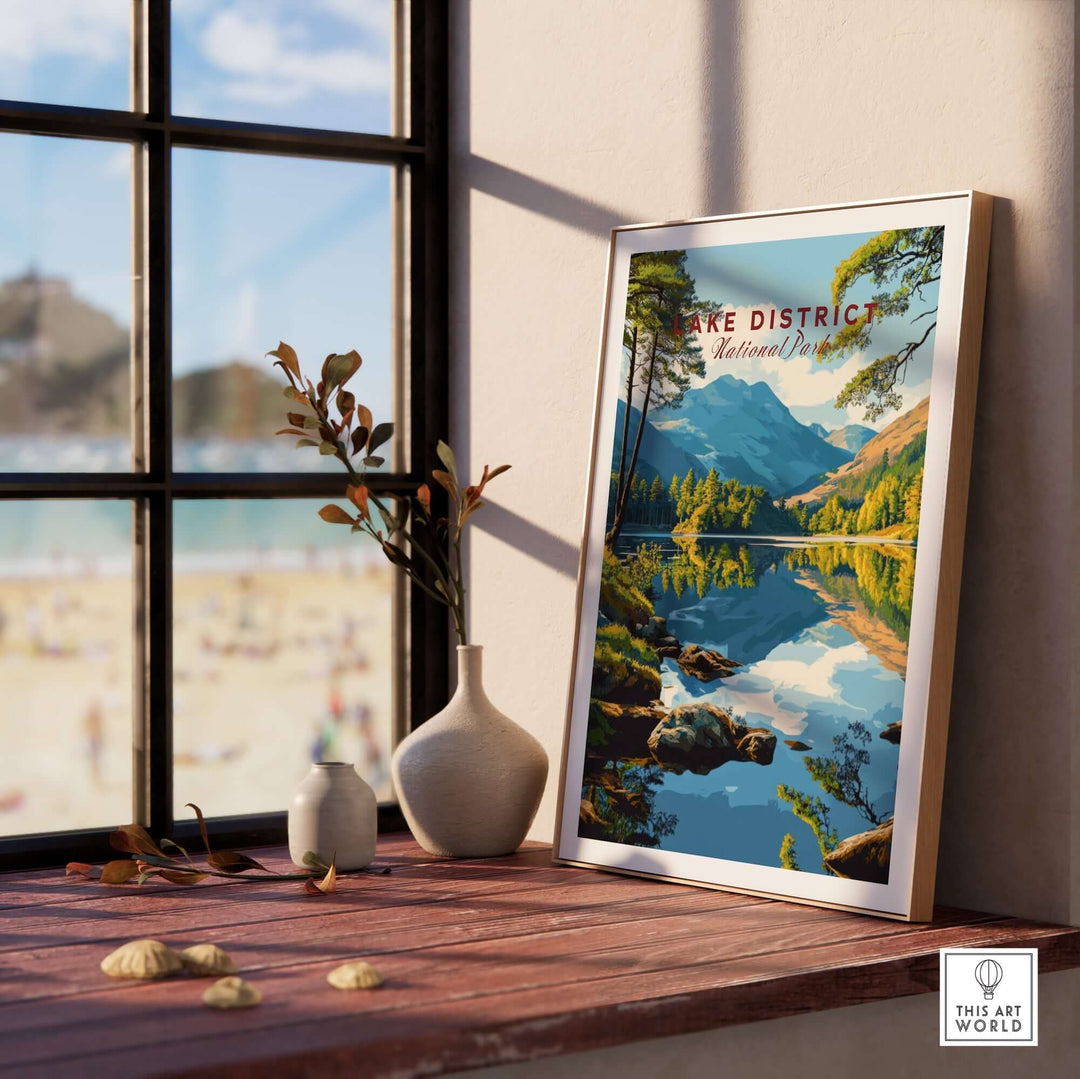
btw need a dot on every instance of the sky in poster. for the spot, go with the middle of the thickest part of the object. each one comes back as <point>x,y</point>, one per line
<point>799,273</point>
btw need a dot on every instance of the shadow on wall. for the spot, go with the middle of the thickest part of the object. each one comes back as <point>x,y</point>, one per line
<point>528,538</point>
<point>717,66</point>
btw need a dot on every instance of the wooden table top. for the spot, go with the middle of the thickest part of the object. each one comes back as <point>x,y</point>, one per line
<point>486,961</point>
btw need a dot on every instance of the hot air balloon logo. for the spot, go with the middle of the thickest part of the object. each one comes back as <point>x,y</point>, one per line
<point>988,974</point>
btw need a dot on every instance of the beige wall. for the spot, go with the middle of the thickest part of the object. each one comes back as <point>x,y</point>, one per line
<point>570,116</point>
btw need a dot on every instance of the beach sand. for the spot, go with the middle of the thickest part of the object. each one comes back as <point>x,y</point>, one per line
<point>272,669</point>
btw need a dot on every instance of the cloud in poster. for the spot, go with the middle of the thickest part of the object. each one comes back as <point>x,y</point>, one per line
<point>808,387</point>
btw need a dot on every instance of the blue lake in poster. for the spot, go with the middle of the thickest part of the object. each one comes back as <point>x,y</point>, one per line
<point>759,560</point>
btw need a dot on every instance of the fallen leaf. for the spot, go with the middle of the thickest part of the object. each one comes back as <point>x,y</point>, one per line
<point>134,839</point>
<point>232,861</point>
<point>120,871</point>
<point>202,824</point>
<point>181,876</point>
<point>325,886</point>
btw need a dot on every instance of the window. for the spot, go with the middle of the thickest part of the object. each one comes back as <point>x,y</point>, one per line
<point>181,187</point>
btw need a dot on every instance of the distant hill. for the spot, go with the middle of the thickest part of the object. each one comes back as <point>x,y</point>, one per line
<point>747,433</point>
<point>850,479</point>
<point>657,456</point>
<point>236,400</point>
<point>63,363</point>
<point>65,369</point>
<point>851,438</point>
<point>820,430</point>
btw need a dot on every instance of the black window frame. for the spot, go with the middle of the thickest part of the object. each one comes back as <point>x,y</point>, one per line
<point>423,155</point>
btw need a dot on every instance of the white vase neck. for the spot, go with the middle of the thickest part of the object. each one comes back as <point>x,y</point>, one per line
<point>470,659</point>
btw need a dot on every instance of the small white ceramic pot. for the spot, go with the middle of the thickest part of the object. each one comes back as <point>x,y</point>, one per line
<point>333,813</point>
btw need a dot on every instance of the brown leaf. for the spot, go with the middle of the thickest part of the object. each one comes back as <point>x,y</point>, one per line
<point>444,479</point>
<point>358,496</point>
<point>325,886</point>
<point>337,370</point>
<point>202,824</point>
<point>291,431</point>
<point>396,555</point>
<point>363,417</point>
<point>296,418</point>
<point>120,871</point>
<point>359,437</point>
<point>497,471</point>
<point>79,869</point>
<point>469,510</point>
<point>423,496</point>
<point>182,876</point>
<point>287,359</point>
<point>381,433</point>
<point>335,515</point>
<point>134,839</point>
<point>232,861</point>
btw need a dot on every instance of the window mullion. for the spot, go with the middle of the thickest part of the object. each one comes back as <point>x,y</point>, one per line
<point>156,765</point>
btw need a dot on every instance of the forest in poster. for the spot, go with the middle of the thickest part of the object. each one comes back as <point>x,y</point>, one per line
<point>761,535</point>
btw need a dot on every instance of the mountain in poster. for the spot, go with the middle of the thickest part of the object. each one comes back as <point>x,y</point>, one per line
<point>657,456</point>
<point>748,434</point>
<point>852,437</point>
<point>904,438</point>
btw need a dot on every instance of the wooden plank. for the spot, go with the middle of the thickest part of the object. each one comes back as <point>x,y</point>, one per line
<point>70,965</point>
<point>371,1034</point>
<point>545,1022</point>
<point>429,976</point>
<point>487,961</point>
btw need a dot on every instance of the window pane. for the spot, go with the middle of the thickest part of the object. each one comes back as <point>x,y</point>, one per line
<point>282,653</point>
<point>66,602</point>
<point>66,52</point>
<point>65,305</point>
<point>268,249</point>
<point>294,62</point>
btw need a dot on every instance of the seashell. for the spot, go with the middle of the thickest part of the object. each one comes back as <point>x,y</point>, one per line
<point>359,975</point>
<point>142,959</point>
<point>206,960</point>
<point>232,992</point>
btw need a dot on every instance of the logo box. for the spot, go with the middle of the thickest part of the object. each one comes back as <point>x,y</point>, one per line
<point>989,996</point>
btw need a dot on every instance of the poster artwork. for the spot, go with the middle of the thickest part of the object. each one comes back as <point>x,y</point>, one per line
<point>761,539</point>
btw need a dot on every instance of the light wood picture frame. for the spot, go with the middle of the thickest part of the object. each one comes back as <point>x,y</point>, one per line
<point>770,567</point>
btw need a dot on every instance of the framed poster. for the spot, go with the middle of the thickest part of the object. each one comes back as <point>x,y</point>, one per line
<point>770,569</point>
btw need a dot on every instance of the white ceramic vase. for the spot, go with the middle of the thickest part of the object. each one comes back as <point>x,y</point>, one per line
<point>469,780</point>
<point>333,813</point>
